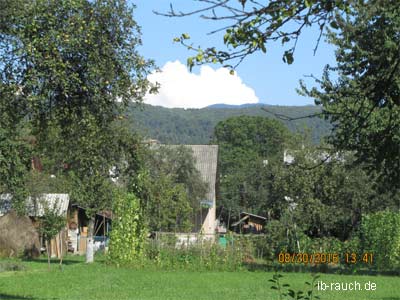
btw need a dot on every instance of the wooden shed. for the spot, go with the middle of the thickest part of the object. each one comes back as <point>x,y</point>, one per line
<point>72,238</point>
<point>249,223</point>
<point>78,229</point>
<point>35,210</point>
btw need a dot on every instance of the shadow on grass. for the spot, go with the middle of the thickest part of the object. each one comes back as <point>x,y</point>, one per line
<point>16,297</point>
<point>321,268</point>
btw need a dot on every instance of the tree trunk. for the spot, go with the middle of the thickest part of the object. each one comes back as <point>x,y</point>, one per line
<point>89,242</point>
<point>48,254</point>
<point>61,249</point>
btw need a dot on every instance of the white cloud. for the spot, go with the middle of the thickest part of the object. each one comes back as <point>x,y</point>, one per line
<point>180,88</point>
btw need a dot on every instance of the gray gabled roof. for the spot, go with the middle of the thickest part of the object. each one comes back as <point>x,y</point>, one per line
<point>206,157</point>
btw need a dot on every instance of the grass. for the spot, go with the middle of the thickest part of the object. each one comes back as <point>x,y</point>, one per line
<point>101,281</point>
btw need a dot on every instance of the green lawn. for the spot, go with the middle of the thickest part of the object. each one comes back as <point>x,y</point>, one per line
<point>100,281</point>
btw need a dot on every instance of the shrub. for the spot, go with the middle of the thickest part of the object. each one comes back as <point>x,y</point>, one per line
<point>128,236</point>
<point>380,235</point>
<point>201,255</point>
<point>276,239</point>
<point>323,245</point>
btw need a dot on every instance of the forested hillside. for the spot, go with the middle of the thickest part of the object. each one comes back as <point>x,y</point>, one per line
<point>196,126</point>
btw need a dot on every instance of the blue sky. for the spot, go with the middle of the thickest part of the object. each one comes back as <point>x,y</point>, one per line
<point>261,78</point>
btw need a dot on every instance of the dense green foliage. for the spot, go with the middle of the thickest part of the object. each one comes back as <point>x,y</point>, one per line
<point>364,102</point>
<point>196,126</point>
<point>298,197</point>
<point>166,252</point>
<point>315,191</point>
<point>170,188</point>
<point>15,147</point>
<point>247,148</point>
<point>14,165</point>
<point>129,231</point>
<point>380,234</point>
<point>70,68</point>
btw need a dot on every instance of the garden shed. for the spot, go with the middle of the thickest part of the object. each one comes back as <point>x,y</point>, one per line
<point>72,237</point>
<point>249,223</point>
<point>35,210</point>
<point>78,229</point>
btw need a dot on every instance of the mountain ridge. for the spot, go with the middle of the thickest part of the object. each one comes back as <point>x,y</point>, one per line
<point>259,104</point>
<point>196,126</point>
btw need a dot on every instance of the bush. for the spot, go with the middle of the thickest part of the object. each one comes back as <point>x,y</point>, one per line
<point>201,255</point>
<point>128,236</point>
<point>276,239</point>
<point>323,245</point>
<point>380,235</point>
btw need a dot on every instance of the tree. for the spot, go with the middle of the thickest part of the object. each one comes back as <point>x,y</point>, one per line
<point>14,166</point>
<point>310,194</point>
<point>167,205</point>
<point>364,103</point>
<point>51,223</point>
<point>171,188</point>
<point>15,149</point>
<point>249,147</point>
<point>74,66</point>
<point>37,184</point>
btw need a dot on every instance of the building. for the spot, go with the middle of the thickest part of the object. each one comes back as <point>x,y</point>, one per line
<point>77,222</point>
<point>35,210</point>
<point>206,162</point>
<point>72,238</point>
<point>249,223</point>
<point>205,221</point>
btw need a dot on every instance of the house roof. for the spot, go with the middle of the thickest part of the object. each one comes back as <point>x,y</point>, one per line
<point>240,221</point>
<point>206,157</point>
<point>36,208</point>
<point>245,215</point>
<point>252,215</point>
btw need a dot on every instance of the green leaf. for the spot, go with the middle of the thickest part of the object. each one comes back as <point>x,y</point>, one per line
<point>263,49</point>
<point>334,25</point>
<point>288,57</point>
<point>190,63</point>
<point>185,36</point>
<point>285,40</point>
